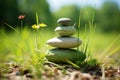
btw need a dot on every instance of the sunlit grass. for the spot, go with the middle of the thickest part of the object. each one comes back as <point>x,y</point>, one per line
<point>19,47</point>
<point>18,43</point>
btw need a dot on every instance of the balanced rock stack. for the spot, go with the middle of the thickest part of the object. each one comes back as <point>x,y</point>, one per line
<point>63,43</point>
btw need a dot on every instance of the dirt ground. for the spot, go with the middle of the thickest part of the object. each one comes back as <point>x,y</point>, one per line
<point>51,72</point>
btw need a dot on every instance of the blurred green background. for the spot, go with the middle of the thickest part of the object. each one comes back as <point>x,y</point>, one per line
<point>106,16</point>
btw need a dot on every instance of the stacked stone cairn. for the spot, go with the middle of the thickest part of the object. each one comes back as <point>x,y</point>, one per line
<point>63,43</point>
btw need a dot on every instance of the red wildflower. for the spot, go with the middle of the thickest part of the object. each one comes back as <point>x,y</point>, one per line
<point>21,17</point>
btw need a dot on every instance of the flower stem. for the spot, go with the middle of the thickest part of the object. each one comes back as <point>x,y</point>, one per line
<point>21,25</point>
<point>36,41</point>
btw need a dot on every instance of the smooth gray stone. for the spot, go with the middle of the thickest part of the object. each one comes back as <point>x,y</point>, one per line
<point>64,21</point>
<point>65,31</point>
<point>62,55</point>
<point>64,42</point>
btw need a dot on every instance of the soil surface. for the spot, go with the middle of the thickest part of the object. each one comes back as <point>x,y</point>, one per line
<point>68,72</point>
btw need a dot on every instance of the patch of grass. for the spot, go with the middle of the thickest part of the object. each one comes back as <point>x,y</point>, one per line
<point>86,47</point>
<point>92,40</point>
<point>18,48</point>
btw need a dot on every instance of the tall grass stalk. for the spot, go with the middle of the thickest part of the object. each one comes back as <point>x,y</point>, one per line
<point>37,34</point>
<point>78,33</point>
<point>90,37</point>
<point>88,40</point>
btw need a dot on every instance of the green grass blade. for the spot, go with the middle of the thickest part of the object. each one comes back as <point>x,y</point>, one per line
<point>112,52</point>
<point>37,18</point>
<point>78,30</point>
<point>79,24</point>
<point>107,53</point>
<point>11,27</point>
<point>79,19</point>
<point>73,64</point>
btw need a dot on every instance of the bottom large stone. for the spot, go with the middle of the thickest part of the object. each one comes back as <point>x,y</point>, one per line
<point>62,55</point>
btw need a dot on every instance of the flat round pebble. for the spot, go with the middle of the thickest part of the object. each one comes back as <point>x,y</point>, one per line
<point>61,55</point>
<point>64,21</point>
<point>64,42</point>
<point>65,31</point>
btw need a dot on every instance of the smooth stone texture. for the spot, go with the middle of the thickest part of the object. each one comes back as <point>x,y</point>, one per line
<point>64,21</point>
<point>65,31</point>
<point>64,42</point>
<point>61,55</point>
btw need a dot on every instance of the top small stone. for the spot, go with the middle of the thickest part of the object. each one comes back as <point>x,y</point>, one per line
<point>64,21</point>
